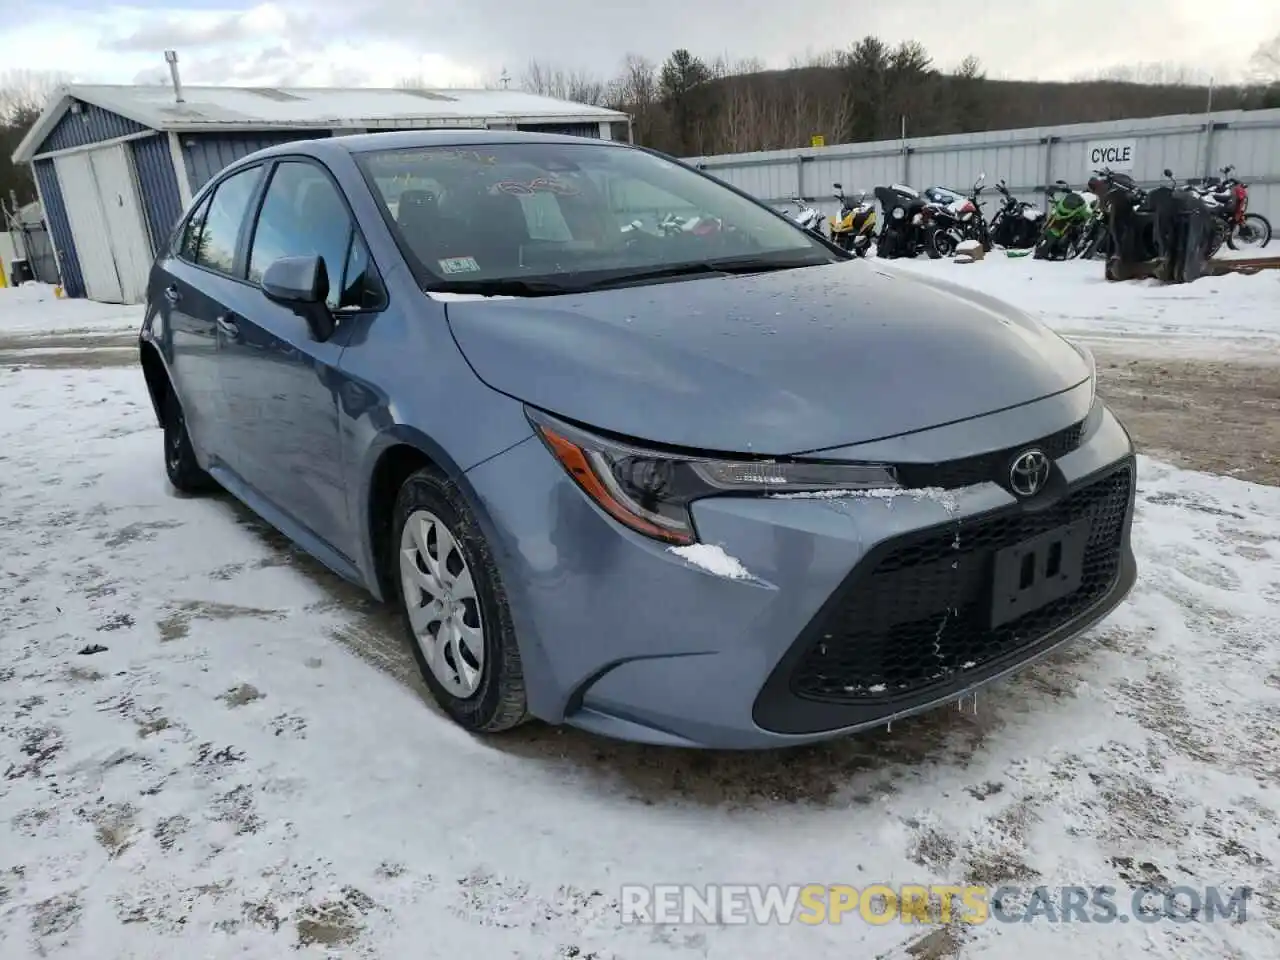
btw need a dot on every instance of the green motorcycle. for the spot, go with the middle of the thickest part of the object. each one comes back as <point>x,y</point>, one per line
<point>1067,225</point>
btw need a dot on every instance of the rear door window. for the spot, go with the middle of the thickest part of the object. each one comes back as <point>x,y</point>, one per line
<point>219,238</point>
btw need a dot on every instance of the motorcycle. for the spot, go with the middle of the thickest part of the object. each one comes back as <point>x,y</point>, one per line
<point>855,226</point>
<point>700,226</point>
<point>1167,232</point>
<point>1017,224</point>
<point>807,216</point>
<point>1069,213</point>
<point>904,232</point>
<point>1106,184</point>
<point>956,218</point>
<point>1230,197</point>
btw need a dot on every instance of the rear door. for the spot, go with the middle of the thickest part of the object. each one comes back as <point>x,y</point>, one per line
<point>190,288</point>
<point>281,385</point>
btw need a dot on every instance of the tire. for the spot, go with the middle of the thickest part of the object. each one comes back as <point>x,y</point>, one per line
<point>184,471</point>
<point>1262,227</point>
<point>1217,238</point>
<point>485,693</point>
<point>940,244</point>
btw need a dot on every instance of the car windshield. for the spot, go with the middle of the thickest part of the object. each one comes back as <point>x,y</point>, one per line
<point>540,218</point>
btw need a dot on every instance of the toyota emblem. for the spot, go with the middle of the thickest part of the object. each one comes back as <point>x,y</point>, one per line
<point>1029,473</point>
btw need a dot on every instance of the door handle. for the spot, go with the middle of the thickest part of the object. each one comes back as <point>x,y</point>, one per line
<point>228,326</point>
<point>171,294</point>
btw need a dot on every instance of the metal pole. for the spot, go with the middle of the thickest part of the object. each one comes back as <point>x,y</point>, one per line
<point>906,170</point>
<point>1208,132</point>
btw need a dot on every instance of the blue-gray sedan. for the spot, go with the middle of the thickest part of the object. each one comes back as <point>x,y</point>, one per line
<point>631,450</point>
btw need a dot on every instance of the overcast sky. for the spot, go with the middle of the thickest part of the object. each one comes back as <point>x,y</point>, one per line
<point>377,42</point>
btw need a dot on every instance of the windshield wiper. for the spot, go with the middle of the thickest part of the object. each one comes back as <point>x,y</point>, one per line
<point>725,267</point>
<point>603,280</point>
<point>508,287</point>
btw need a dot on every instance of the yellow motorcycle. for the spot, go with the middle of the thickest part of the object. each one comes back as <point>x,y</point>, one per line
<point>855,226</point>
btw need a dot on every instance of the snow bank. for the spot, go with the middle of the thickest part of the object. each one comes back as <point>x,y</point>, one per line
<point>1073,297</point>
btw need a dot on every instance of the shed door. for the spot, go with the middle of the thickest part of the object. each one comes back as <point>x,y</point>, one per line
<point>129,241</point>
<point>88,227</point>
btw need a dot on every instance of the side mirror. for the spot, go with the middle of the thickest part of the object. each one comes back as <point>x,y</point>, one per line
<point>1168,173</point>
<point>982,177</point>
<point>302,284</point>
<point>838,186</point>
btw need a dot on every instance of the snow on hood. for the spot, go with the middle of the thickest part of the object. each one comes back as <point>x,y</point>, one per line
<point>774,364</point>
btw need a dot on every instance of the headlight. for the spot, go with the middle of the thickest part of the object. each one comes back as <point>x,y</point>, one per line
<point>898,213</point>
<point>650,491</point>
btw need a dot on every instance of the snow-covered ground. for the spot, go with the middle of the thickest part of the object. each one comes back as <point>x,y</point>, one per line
<point>208,748</point>
<point>34,308</point>
<point>1076,299</point>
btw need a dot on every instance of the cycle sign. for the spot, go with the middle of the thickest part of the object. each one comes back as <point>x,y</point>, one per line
<point>1116,154</point>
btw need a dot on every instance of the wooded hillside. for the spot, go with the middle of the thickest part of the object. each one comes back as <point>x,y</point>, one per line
<point>689,106</point>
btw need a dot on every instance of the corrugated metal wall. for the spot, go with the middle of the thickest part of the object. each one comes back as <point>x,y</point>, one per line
<point>1028,159</point>
<point>208,153</point>
<point>55,212</point>
<point>157,186</point>
<point>91,125</point>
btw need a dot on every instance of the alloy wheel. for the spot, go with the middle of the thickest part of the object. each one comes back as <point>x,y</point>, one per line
<point>440,597</point>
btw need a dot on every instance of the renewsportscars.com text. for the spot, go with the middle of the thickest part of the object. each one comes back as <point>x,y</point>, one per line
<point>669,904</point>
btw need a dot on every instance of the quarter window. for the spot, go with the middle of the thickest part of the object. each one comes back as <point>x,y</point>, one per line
<point>303,214</point>
<point>220,234</point>
<point>190,243</point>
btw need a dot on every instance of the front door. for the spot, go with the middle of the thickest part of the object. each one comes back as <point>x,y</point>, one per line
<point>280,384</point>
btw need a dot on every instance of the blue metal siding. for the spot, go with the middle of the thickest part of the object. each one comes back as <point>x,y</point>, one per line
<point>91,125</point>
<point>564,129</point>
<point>55,214</point>
<point>208,153</point>
<point>157,186</point>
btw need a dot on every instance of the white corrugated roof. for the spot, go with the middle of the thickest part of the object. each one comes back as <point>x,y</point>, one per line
<point>311,107</point>
<point>315,105</point>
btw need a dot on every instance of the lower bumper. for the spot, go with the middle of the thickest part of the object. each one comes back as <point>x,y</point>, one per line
<point>621,637</point>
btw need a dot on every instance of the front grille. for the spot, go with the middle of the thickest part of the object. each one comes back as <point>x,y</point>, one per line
<point>984,467</point>
<point>921,615</point>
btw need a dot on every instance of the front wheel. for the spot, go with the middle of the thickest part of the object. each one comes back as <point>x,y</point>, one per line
<point>453,606</point>
<point>1253,234</point>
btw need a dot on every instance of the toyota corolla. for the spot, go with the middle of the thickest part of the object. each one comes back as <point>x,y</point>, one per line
<point>630,450</point>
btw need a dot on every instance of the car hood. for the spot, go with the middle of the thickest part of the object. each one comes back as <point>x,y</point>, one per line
<point>777,363</point>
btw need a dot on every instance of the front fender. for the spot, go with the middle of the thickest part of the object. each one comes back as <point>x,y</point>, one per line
<point>401,435</point>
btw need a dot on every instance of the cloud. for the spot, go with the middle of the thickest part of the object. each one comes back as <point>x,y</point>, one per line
<point>377,42</point>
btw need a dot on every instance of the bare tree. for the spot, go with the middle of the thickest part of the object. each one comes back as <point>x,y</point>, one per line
<point>578,86</point>
<point>27,91</point>
<point>1265,61</point>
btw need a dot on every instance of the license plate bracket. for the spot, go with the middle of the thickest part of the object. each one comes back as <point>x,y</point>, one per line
<point>1038,571</point>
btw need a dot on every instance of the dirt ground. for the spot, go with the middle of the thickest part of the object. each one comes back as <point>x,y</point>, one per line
<point>1220,416</point>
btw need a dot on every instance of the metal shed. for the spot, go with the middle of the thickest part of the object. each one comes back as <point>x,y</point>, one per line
<point>116,165</point>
